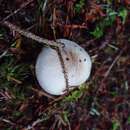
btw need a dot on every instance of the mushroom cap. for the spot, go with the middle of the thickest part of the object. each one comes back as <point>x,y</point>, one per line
<point>49,71</point>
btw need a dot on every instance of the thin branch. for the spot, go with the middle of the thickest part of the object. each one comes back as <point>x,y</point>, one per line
<point>30,127</point>
<point>30,35</point>
<point>42,93</point>
<point>4,53</point>
<point>113,63</point>
<point>7,121</point>
<point>44,7</point>
<point>16,11</point>
<point>63,69</point>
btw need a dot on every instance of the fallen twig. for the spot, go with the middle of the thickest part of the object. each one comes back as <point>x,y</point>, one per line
<point>16,11</point>
<point>30,35</point>
<point>30,127</point>
<point>44,7</point>
<point>7,121</point>
<point>3,54</point>
<point>42,93</point>
<point>113,63</point>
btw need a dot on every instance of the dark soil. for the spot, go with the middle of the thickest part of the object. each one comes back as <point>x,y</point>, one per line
<point>102,27</point>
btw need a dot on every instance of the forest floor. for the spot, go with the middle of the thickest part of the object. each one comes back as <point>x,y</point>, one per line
<point>102,28</point>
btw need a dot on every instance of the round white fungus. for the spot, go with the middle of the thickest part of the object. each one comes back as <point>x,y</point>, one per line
<point>49,71</point>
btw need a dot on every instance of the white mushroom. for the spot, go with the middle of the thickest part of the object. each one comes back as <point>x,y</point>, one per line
<point>49,71</point>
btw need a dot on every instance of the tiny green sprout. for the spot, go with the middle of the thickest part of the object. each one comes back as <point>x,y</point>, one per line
<point>98,32</point>
<point>79,6</point>
<point>17,113</point>
<point>114,94</point>
<point>115,125</point>
<point>106,22</point>
<point>83,87</point>
<point>109,1</point>
<point>76,94</point>
<point>123,14</point>
<point>65,116</point>
<point>128,120</point>
<point>12,75</point>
